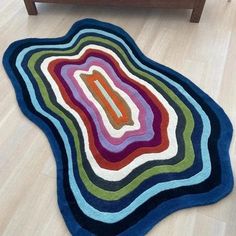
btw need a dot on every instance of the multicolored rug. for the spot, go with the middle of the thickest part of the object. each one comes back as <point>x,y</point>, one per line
<point>133,140</point>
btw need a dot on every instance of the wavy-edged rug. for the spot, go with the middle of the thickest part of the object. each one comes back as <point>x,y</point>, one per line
<point>133,140</point>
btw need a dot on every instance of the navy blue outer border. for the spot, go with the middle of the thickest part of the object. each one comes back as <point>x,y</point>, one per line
<point>166,208</point>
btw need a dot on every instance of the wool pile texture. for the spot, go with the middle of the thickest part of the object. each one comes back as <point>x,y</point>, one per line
<point>133,140</point>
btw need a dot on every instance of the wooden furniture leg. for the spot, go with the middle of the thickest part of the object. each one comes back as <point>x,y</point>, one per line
<point>31,7</point>
<point>197,11</point>
<point>196,5</point>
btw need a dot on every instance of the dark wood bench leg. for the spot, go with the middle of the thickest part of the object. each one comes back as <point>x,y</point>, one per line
<point>197,11</point>
<point>31,7</point>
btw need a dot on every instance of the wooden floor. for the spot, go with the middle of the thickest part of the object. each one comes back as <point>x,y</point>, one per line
<point>204,52</point>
